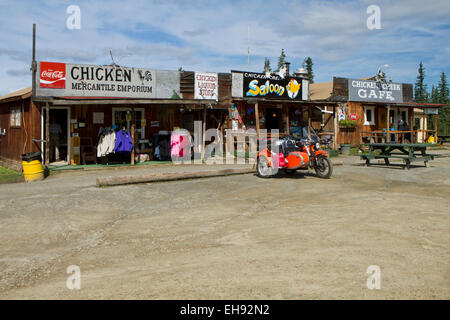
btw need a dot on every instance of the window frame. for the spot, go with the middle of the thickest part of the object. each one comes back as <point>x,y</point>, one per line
<point>15,117</point>
<point>372,122</point>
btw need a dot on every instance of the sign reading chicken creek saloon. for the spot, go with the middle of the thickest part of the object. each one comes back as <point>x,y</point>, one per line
<point>63,79</point>
<point>260,85</point>
<point>372,91</point>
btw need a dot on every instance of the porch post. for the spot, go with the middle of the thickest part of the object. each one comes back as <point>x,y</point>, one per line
<point>309,120</point>
<point>133,125</point>
<point>47,134</point>
<point>411,124</point>
<point>257,119</point>
<point>388,136</point>
<point>204,133</point>
<point>334,128</point>
<point>287,119</point>
<point>424,138</point>
<point>436,128</point>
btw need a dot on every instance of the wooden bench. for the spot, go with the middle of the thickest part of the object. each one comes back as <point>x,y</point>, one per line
<point>408,152</point>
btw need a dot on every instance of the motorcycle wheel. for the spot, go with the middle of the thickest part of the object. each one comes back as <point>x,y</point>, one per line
<point>324,167</point>
<point>264,170</point>
<point>290,172</point>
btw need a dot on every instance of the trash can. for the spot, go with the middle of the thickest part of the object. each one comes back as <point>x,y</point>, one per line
<point>345,149</point>
<point>32,166</point>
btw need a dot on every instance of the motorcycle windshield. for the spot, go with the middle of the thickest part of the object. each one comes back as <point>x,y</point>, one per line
<point>313,136</point>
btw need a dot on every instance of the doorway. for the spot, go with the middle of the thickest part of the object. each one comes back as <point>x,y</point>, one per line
<point>59,144</point>
<point>273,119</point>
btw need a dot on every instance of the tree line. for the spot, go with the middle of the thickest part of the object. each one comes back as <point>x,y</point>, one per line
<point>439,94</point>
<point>306,64</point>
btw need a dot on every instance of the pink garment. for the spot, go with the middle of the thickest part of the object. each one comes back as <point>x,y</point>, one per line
<point>178,144</point>
<point>280,159</point>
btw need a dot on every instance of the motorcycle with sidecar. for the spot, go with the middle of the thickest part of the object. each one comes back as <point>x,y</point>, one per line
<point>290,154</point>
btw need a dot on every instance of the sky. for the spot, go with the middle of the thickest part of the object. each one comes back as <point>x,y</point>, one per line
<point>213,36</point>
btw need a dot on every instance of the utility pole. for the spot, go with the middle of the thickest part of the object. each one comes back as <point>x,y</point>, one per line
<point>33,63</point>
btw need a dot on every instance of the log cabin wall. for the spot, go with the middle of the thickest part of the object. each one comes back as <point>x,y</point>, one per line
<point>19,139</point>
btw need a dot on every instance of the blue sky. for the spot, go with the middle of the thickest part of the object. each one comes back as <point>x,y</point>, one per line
<point>201,35</point>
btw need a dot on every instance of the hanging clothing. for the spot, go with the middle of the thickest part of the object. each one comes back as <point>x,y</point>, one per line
<point>106,142</point>
<point>123,142</point>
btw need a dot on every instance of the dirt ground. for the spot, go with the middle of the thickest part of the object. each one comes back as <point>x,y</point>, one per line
<point>236,237</point>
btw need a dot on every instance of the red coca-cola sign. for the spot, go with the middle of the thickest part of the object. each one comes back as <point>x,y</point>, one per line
<point>354,117</point>
<point>53,75</point>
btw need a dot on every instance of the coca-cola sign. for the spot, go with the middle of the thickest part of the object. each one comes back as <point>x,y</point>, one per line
<point>52,75</point>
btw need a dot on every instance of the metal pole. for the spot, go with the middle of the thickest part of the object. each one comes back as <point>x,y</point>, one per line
<point>248,49</point>
<point>34,64</point>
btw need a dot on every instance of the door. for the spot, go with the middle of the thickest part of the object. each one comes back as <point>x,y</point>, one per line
<point>381,118</point>
<point>59,144</point>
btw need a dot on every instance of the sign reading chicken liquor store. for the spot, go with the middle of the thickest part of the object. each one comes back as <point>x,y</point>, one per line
<point>270,86</point>
<point>63,79</point>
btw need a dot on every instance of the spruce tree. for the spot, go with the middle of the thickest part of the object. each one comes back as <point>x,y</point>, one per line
<point>308,65</point>
<point>444,112</point>
<point>442,89</point>
<point>267,65</point>
<point>434,95</point>
<point>420,88</point>
<point>281,60</point>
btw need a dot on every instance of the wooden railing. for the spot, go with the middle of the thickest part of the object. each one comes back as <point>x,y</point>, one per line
<point>397,136</point>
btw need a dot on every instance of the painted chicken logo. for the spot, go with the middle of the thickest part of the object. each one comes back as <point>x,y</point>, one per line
<point>53,75</point>
<point>293,88</point>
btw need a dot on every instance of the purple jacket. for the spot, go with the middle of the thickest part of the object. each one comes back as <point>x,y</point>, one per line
<point>123,142</point>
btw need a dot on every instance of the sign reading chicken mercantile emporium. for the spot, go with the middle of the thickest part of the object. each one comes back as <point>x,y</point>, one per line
<point>77,80</point>
<point>372,91</point>
<point>268,86</point>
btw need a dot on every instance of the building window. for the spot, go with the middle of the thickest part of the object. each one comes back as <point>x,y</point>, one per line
<point>15,117</point>
<point>369,116</point>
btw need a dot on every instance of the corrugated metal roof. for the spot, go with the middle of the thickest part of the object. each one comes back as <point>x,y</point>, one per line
<point>320,91</point>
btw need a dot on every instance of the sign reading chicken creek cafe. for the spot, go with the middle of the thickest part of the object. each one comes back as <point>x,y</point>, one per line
<point>63,79</point>
<point>372,91</point>
<point>267,86</point>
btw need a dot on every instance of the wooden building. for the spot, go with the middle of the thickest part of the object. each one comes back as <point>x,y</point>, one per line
<point>363,106</point>
<point>19,125</point>
<point>26,121</point>
<point>268,101</point>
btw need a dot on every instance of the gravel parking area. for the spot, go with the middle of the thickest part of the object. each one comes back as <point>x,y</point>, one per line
<point>236,237</point>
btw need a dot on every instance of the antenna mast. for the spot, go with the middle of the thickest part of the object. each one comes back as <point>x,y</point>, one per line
<point>248,49</point>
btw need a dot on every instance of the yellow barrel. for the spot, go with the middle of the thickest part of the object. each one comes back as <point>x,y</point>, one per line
<point>32,167</point>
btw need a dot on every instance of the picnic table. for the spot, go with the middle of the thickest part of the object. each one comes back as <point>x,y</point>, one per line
<point>408,152</point>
